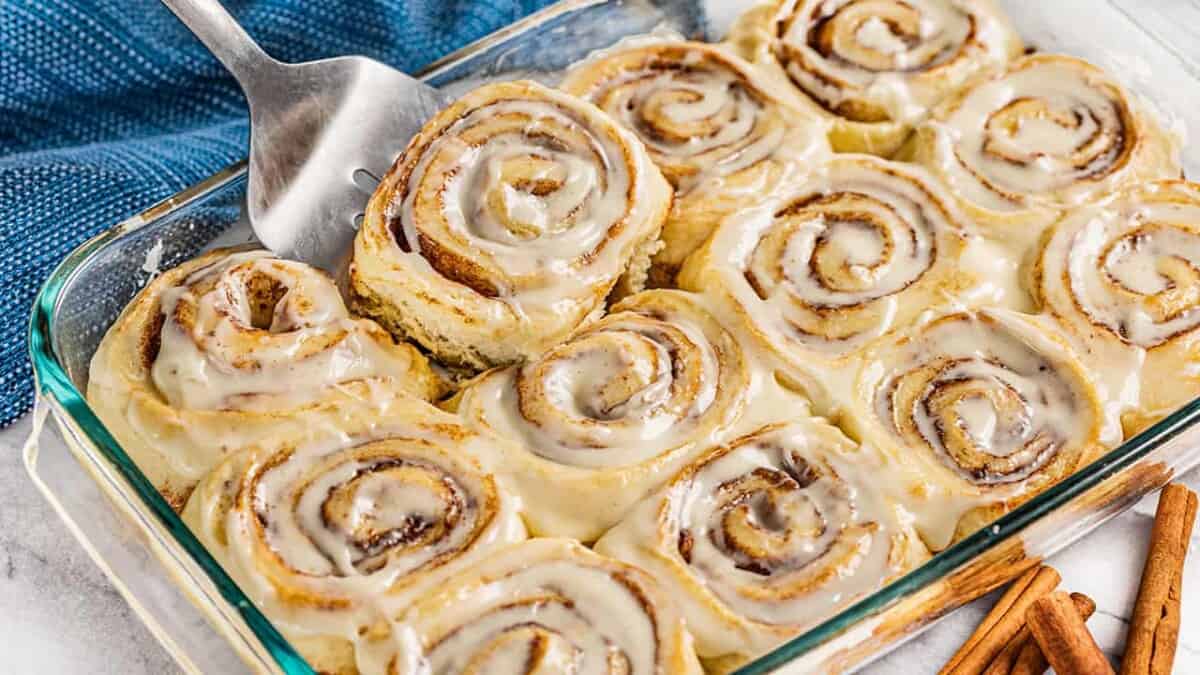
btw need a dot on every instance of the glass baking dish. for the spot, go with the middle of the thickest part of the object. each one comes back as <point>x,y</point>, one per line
<point>208,625</point>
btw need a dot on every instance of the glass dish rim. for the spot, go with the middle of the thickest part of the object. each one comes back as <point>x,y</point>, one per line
<point>51,379</point>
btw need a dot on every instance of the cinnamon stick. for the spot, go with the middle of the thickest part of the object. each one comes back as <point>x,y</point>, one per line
<point>1023,656</point>
<point>1064,638</point>
<point>1154,628</point>
<point>1002,623</point>
<point>1031,660</point>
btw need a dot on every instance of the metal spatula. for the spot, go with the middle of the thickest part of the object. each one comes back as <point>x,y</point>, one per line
<point>321,134</point>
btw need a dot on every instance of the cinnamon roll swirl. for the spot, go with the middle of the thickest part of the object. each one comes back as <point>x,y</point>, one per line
<point>543,606</point>
<point>983,410</point>
<point>709,122</point>
<point>1123,278</point>
<point>769,535</point>
<point>875,67</point>
<point>238,347</point>
<point>605,416</point>
<point>856,248</point>
<point>505,224</point>
<point>1020,146</point>
<point>329,535</point>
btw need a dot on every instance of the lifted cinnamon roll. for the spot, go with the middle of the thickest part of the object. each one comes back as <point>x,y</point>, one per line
<point>505,224</point>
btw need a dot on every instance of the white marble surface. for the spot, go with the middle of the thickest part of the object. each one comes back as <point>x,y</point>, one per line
<point>60,614</point>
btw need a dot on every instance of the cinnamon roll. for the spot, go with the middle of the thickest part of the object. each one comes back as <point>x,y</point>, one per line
<point>1021,146</point>
<point>1123,278</point>
<point>329,535</point>
<point>543,606</point>
<point>875,67</point>
<point>765,537</point>
<point>603,418</point>
<point>709,122</point>
<point>983,410</point>
<point>856,248</point>
<point>505,224</point>
<point>238,347</point>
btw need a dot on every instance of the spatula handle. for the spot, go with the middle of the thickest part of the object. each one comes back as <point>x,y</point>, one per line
<point>226,39</point>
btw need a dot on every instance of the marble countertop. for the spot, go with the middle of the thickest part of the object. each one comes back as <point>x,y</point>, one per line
<point>61,615</point>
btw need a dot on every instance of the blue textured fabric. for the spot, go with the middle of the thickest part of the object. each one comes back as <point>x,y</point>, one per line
<point>107,106</point>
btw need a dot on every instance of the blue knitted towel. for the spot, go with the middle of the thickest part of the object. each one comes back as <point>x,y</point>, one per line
<point>107,106</point>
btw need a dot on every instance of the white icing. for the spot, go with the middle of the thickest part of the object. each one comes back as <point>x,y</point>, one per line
<point>609,398</point>
<point>874,34</point>
<point>769,537</point>
<point>360,524</point>
<point>1123,278</point>
<point>823,266</point>
<point>546,606</point>
<point>538,198</point>
<point>219,360</point>
<point>895,56</point>
<point>702,113</point>
<point>976,405</point>
<point>1010,398</point>
<point>1048,130</point>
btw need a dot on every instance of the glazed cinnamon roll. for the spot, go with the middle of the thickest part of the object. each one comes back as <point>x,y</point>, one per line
<point>769,535</point>
<point>856,248</point>
<point>875,67</point>
<point>984,409</point>
<point>505,224</point>
<point>543,606</point>
<point>1047,134</point>
<point>607,415</point>
<point>239,347</point>
<point>709,122</point>
<point>329,535</point>
<point>1123,278</point>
